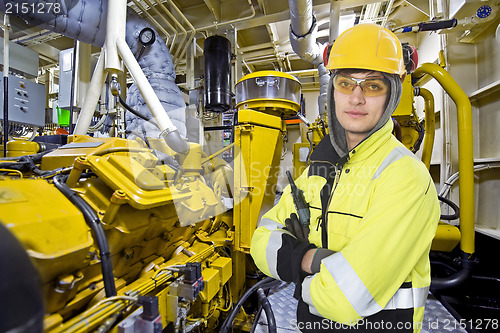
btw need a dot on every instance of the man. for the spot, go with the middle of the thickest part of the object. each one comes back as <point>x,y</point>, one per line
<point>362,264</point>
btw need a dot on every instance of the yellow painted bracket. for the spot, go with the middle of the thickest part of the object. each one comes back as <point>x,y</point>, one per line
<point>447,238</point>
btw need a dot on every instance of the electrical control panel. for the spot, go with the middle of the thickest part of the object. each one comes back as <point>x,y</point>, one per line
<point>26,101</point>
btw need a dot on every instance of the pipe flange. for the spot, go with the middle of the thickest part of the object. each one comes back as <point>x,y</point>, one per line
<point>166,132</point>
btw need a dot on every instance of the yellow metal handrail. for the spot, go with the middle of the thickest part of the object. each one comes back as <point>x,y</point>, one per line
<point>430,126</point>
<point>465,150</point>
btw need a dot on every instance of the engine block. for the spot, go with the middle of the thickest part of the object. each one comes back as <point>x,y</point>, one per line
<point>163,220</point>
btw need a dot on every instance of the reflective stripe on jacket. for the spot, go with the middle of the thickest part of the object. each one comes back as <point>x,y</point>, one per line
<point>380,217</point>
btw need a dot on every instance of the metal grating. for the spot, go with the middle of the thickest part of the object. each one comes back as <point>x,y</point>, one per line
<point>437,318</point>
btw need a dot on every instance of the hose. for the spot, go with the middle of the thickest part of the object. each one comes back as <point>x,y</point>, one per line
<point>453,178</point>
<point>310,148</point>
<point>266,283</point>
<point>94,223</point>
<point>27,163</point>
<point>456,279</point>
<point>266,305</point>
<point>453,206</point>
<point>126,106</point>
<point>36,157</point>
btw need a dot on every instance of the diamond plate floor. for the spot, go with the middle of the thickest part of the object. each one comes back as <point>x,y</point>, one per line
<point>436,318</point>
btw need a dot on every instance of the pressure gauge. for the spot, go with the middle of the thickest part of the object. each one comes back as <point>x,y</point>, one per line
<point>147,36</point>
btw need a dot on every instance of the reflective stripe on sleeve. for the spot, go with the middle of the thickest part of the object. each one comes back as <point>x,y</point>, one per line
<point>274,243</point>
<point>407,298</point>
<point>306,294</point>
<point>351,285</point>
<point>393,156</point>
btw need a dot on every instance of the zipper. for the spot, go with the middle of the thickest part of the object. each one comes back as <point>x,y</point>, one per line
<point>338,171</point>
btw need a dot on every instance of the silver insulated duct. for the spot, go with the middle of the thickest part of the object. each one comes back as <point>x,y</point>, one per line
<point>85,21</point>
<point>303,30</point>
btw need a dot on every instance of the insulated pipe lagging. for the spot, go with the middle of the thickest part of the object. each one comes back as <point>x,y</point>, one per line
<point>301,17</point>
<point>169,133</point>
<point>303,28</point>
<point>334,19</point>
<point>85,21</point>
<point>324,78</point>
<point>305,45</point>
<point>157,65</point>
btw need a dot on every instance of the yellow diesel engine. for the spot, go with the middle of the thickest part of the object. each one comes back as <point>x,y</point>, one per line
<point>123,234</point>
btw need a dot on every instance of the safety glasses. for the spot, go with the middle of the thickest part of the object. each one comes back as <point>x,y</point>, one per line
<point>371,86</point>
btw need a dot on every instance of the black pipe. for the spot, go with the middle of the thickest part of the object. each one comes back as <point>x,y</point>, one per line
<point>485,278</point>
<point>438,25</point>
<point>268,282</point>
<point>266,305</point>
<point>218,128</point>
<point>456,279</point>
<point>453,206</point>
<point>5,114</point>
<point>73,78</point>
<point>94,223</point>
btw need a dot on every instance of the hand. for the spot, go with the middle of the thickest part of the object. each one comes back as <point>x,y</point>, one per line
<point>307,260</point>
<point>311,262</point>
<point>298,230</point>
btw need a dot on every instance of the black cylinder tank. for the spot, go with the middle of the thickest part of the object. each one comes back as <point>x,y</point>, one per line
<point>217,51</point>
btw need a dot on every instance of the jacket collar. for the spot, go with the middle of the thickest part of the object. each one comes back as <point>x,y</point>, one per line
<point>324,153</point>
<point>324,159</point>
<point>369,145</point>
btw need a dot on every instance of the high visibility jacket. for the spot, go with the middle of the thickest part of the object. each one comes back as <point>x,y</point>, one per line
<point>378,212</point>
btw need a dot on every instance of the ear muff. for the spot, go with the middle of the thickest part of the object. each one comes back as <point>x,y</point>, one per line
<point>410,57</point>
<point>326,54</point>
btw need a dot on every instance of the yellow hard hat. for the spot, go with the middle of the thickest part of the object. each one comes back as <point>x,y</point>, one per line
<point>367,46</point>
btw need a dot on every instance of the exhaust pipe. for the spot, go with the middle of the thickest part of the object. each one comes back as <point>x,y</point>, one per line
<point>303,29</point>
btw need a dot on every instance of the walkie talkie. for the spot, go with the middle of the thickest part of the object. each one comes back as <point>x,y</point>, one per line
<point>299,201</point>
